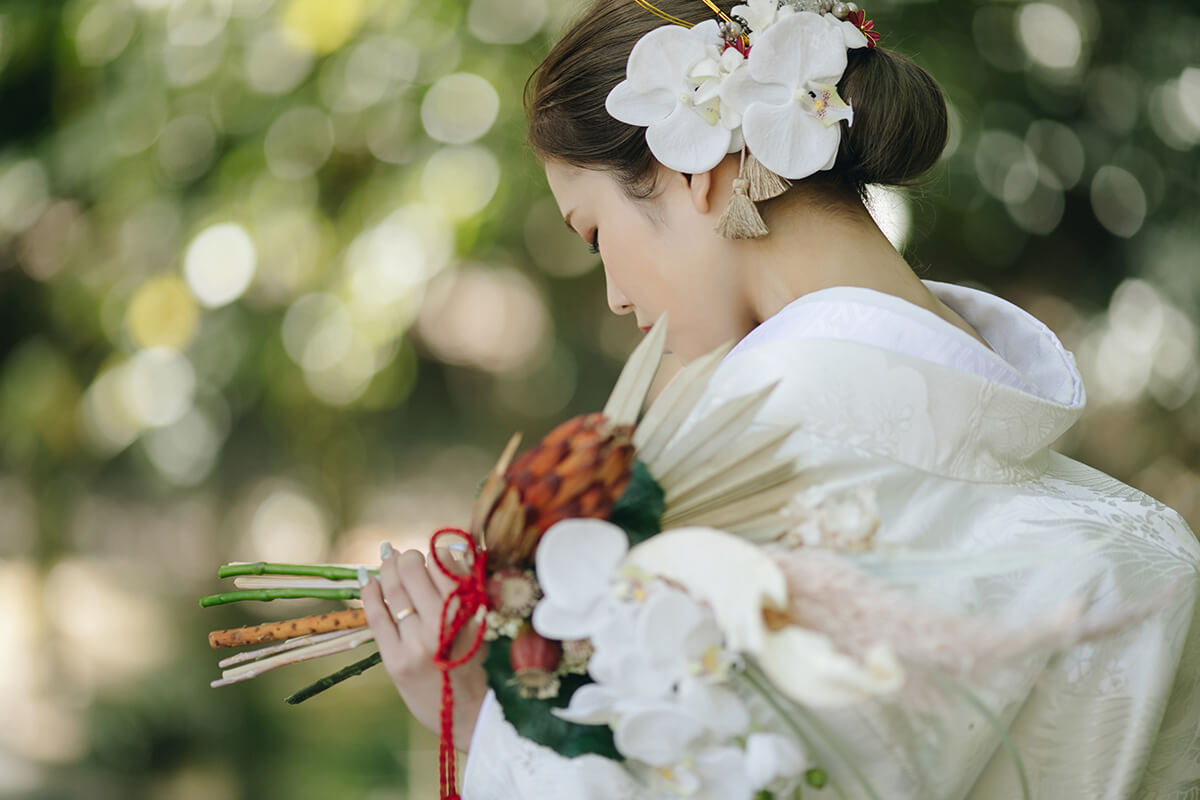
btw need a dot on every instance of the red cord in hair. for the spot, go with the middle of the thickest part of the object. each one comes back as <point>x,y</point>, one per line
<point>471,592</point>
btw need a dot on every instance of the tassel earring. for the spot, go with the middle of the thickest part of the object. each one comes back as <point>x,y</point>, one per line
<point>764,184</point>
<point>741,219</point>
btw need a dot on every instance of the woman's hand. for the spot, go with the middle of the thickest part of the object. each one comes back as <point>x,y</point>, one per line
<point>404,610</point>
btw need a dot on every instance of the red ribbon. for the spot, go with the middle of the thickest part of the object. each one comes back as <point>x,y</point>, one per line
<point>471,593</point>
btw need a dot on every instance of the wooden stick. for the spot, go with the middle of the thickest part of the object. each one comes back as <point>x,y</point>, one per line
<point>288,628</point>
<point>280,647</point>
<point>291,582</point>
<point>332,647</point>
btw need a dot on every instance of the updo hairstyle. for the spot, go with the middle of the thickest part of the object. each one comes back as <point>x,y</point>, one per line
<point>899,127</point>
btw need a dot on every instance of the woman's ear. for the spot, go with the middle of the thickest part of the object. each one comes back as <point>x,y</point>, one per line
<point>701,186</point>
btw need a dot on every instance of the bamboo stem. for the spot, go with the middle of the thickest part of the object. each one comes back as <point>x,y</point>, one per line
<point>290,582</point>
<point>288,628</point>
<point>266,568</point>
<point>277,594</point>
<point>280,647</point>
<point>252,670</point>
<point>357,668</point>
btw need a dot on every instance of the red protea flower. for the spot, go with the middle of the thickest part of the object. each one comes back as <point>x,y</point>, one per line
<point>578,470</point>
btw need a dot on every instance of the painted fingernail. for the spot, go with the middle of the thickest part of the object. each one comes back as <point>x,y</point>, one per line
<point>385,550</point>
<point>362,577</point>
<point>457,547</point>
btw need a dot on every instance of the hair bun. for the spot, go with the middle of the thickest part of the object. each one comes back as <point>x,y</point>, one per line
<point>900,120</point>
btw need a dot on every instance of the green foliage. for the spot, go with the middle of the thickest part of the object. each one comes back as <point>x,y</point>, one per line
<point>640,507</point>
<point>532,718</point>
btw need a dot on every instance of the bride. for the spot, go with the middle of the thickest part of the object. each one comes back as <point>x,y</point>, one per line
<point>717,162</point>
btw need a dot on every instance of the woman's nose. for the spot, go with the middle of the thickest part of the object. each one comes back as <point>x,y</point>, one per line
<point>618,302</point>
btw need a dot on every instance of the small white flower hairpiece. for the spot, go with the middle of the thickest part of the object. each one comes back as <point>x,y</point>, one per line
<point>763,80</point>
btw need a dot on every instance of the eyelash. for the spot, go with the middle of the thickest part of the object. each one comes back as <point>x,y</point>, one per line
<point>594,245</point>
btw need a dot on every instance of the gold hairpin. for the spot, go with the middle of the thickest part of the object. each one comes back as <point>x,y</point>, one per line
<point>646,4</point>
<point>724,17</point>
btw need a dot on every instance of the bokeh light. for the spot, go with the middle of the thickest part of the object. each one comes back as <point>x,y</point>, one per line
<point>24,194</point>
<point>322,26</point>
<point>276,63</point>
<point>317,331</point>
<point>102,33</point>
<point>186,450</point>
<point>1118,200</point>
<point>159,384</point>
<point>506,21</point>
<point>459,108</point>
<point>298,142</point>
<point>186,146</point>
<point>284,524</point>
<point>490,318</point>
<point>378,69</point>
<point>461,180</point>
<point>1050,35</point>
<point>220,264</point>
<point>162,313</point>
<point>115,636</point>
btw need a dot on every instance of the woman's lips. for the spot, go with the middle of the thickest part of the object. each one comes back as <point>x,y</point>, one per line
<point>644,328</point>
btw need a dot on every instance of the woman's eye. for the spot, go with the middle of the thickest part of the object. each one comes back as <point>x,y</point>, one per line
<point>594,247</point>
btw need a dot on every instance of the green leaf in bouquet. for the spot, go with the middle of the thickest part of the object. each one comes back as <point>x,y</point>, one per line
<point>639,509</point>
<point>532,718</point>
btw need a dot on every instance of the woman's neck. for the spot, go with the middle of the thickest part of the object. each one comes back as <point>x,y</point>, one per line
<point>809,250</point>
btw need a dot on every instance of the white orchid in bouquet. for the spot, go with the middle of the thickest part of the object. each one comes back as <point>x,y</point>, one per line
<point>672,622</point>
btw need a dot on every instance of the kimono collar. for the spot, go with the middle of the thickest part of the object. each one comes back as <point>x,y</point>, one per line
<point>882,375</point>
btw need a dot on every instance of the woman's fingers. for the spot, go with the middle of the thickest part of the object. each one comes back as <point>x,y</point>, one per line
<point>416,590</point>
<point>380,620</point>
<point>441,581</point>
<point>408,570</point>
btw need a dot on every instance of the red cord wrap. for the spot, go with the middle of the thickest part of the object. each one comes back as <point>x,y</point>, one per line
<point>471,592</point>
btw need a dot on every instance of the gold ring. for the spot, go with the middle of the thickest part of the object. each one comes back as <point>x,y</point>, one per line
<point>404,614</point>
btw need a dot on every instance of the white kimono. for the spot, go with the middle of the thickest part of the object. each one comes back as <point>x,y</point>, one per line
<point>954,439</point>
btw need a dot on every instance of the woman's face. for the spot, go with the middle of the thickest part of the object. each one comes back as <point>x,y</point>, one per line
<point>660,255</point>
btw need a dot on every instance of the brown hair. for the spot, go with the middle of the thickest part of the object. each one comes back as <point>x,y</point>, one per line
<point>899,127</point>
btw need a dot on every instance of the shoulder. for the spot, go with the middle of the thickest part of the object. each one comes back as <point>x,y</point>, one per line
<point>1094,496</point>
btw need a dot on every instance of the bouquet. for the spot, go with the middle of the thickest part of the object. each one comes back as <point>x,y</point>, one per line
<point>666,590</point>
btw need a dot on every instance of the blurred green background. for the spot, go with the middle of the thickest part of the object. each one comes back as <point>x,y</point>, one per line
<point>278,278</point>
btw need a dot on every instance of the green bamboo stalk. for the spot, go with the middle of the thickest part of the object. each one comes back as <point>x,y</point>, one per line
<point>277,594</point>
<point>266,568</point>
<point>357,668</point>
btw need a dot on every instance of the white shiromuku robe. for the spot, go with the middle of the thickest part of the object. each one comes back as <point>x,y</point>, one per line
<point>954,440</point>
